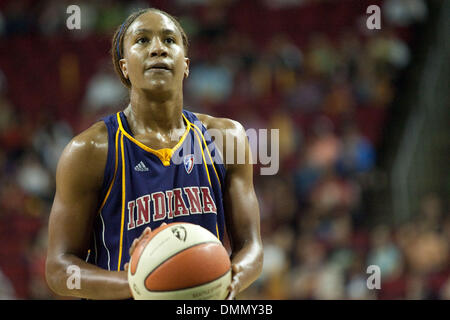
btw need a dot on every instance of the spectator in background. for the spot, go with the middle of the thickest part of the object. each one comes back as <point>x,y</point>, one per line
<point>340,99</point>
<point>357,154</point>
<point>405,12</point>
<point>104,91</point>
<point>33,178</point>
<point>389,52</point>
<point>306,97</point>
<point>110,14</point>
<point>50,20</point>
<point>321,58</point>
<point>18,19</point>
<point>50,139</point>
<point>320,155</point>
<point>6,289</point>
<point>384,253</point>
<point>210,82</point>
<point>356,280</point>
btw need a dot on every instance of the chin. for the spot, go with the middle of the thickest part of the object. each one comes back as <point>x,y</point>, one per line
<point>159,90</point>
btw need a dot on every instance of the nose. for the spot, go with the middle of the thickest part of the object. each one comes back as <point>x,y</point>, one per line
<point>158,48</point>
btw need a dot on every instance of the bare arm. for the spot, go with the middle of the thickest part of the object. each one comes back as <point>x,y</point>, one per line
<point>241,206</point>
<point>79,179</point>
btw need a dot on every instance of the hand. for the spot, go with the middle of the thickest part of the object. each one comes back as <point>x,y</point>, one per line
<point>147,231</point>
<point>235,285</point>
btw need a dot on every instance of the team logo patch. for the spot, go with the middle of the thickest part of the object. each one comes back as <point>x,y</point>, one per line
<point>189,163</point>
<point>179,232</point>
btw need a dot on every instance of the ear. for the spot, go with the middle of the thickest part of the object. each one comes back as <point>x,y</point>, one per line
<point>123,67</point>
<point>186,71</point>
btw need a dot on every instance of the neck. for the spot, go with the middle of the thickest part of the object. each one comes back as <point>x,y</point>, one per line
<point>146,114</point>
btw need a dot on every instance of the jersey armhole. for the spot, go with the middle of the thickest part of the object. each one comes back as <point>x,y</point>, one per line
<point>110,163</point>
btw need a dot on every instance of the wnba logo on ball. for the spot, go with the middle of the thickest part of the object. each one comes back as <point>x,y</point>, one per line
<point>180,233</point>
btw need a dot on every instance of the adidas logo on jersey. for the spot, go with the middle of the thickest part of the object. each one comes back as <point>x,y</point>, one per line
<point>141,167</point>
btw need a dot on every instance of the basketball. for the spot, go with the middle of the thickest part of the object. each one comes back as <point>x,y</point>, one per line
<point>179,261</point>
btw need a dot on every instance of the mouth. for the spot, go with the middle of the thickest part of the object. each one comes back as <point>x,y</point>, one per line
<point>160,66</point>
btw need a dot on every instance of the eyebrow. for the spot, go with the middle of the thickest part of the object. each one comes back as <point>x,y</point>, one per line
<point>145,30</point>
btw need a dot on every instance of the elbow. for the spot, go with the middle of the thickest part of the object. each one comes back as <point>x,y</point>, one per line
<point>256,264</point>
<point>54,275</point>
<point>256,258</point>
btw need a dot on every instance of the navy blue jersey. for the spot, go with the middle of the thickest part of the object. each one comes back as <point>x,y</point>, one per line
<point>146,187</point>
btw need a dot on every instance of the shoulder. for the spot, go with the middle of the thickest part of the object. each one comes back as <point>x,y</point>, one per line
<point>233,142</point>
<point>92,140</point>
<point>226,125</point>
<point>86,153</point>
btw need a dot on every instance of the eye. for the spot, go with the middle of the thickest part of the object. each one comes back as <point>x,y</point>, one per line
<point>169,40</point>
<point>142,40</point>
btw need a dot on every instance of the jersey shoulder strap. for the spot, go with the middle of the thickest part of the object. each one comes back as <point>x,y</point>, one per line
<point>208,142</point>
<point>113,132</point>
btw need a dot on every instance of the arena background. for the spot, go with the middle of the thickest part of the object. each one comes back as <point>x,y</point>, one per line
<point>363,116</point>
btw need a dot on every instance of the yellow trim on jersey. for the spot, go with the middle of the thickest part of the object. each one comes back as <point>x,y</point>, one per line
<point>206,168</point>
<point>115,170</point>
<point>164,154</point>
<point>207,150</point>
<point>203,156</point>
<point>123,204</point>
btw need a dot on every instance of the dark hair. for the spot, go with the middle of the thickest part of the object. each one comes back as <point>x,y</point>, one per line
<point>117,41</point>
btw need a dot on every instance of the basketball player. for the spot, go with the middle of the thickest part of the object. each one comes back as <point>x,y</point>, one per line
<point>119,179</point>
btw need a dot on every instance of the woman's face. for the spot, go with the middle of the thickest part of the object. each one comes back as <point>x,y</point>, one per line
<point>154,57</point>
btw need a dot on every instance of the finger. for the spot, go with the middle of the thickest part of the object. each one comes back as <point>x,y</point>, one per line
<point>144,233</point>
<point>235,268</point>
<point>231,295</point>
<point>131,249</point>
<point>147,230</point>
<point>233,287</point>
<point>133,246</point>
<point>125,267</point>
<point>230,288</point>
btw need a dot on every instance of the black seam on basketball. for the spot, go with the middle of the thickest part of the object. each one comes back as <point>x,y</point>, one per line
<point>168,258</point>
<point>202,284</point>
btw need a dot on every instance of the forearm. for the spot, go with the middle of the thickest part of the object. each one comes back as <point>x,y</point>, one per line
<point>248,259</point>
<point>94,282</point>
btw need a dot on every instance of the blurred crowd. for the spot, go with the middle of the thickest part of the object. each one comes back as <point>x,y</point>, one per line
<point>308,68</point>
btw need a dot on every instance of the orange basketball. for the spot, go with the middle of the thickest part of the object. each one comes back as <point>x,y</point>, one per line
<point>179,261</point>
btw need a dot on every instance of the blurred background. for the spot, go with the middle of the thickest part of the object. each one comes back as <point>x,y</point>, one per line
<point>363,116</point>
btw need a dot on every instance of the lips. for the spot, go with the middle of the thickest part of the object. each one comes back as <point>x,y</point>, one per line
<point>159,66</point>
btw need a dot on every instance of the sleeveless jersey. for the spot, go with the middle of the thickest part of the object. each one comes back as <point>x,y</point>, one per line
<point>146,187</point>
